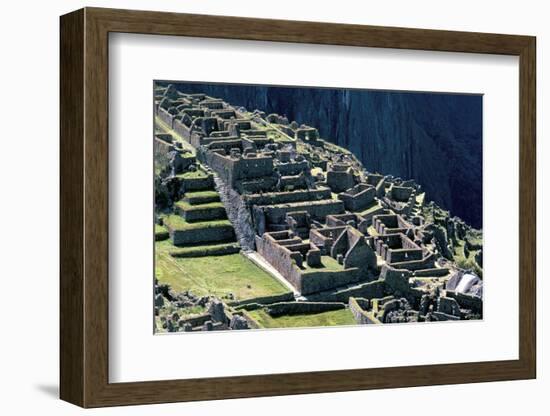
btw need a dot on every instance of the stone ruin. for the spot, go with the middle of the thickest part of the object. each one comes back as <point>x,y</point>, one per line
<point>330,227</point>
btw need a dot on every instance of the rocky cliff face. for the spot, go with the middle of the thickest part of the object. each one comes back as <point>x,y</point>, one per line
<point>435,139</point>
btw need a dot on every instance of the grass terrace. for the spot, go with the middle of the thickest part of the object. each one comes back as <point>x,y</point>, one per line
<point>211,211</point>
<point>198,174</point>
<point>201,197</point>
<point>178,223</point>
<point>214,275</point>
<point>205,250</point>
<point>161,233</point>
<point>160,229</point>
<point>186,206</point>
<point>331,318</point>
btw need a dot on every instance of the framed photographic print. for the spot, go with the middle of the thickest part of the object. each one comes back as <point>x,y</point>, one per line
<point>260,207</point>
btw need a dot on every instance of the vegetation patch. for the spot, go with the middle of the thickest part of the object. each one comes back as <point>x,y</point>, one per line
<point>198,174</point>
<point>331,318</point>
<point>186,206</point>
<point>466,262</point>
<point>201,197</point>
<point>178,223</point>
<point>327,264</point>
<point>214,275</point>
<point>209,250</point>
<point>161,233</point>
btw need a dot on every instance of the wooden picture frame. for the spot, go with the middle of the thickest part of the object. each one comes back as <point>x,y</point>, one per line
<point>84,207</point>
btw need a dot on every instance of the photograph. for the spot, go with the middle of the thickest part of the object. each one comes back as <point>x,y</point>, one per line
<point>253,208</point>
<point>280,207</point>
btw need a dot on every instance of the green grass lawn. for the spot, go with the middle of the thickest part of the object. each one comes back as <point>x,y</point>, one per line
<point>214,275</point>
<point>205,250</point>
<point>329,264</point>
<point>331,318</point>
<point>160,229</point>
<point>161,233</point>
<point>186,206</point>
<point>178,223</point>
<point>202,197</point>
<point>198,174</point>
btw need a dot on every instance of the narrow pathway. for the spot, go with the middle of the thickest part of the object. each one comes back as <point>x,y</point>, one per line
<point>259,261</point>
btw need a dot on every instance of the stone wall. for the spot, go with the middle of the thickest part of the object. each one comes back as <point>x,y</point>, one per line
<point>359,197</point>
<point>281,258</point>
<point>402,255</point>
<point>362,317</point>
<point>204,235</point>
<point>324,237</point>
<point>201,214</point>
<point>166,117</point>
<point>183,130</point>
<point>232,169</point>
<point>369,290</point>
<point>265,300</point>
<point>398,249</point>
<point>474,303</point>
<point>319,281</point>
<point>300,308</point>
<point>396,279</point>
<point>426,263</point>
<point>198,184</point>
<point>317,209</point>
<point>238,213</point>
<point>339,181</point>
<point>401,193</point>
<point>292,168</point>
<point>390,224</point>
<point>433,272</point>
<point>288,197</point>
